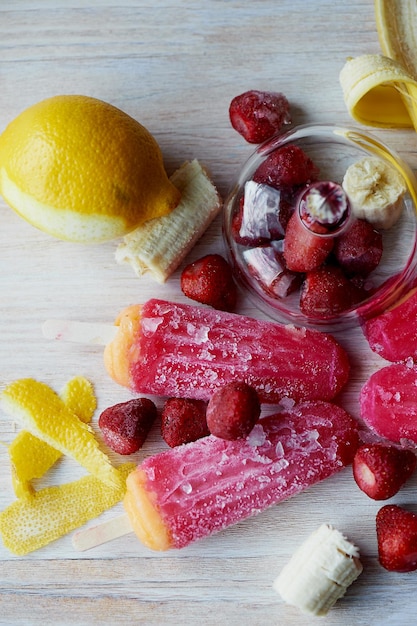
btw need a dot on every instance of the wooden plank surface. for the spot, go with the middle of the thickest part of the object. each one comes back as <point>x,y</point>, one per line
<point>173,65</point>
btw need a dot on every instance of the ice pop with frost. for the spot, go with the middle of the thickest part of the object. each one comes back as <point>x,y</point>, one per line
<point>393,334</point>
<point>180,350</point>
<point>388,402</point>
<point>201,488</point>
<point>194,490</point>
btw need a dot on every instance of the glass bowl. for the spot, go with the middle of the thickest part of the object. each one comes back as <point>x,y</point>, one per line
<point>332,149</point>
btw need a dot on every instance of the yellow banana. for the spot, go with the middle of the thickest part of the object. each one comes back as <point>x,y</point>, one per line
<point>381,89</point>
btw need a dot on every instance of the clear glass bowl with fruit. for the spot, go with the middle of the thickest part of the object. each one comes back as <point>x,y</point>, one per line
<point>320,226</point>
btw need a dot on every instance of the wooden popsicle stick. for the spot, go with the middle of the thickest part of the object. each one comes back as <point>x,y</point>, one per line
<point>79,332</point>
<point>94,536</point>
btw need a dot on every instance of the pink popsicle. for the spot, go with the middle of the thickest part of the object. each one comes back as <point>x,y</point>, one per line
<point>192,491</point>
<point>170,349</point>
<point>388,402</point>
<point>393,335</point>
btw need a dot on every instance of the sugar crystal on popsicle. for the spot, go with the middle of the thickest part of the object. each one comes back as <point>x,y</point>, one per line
<point>192,491</point>
<point>178,350</point>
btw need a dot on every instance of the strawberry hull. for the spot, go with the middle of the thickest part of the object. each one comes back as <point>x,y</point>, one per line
<point>177,350</point>
<point>206,486</point>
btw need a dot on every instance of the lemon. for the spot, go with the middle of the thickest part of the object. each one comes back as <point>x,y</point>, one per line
<point>82,170</point>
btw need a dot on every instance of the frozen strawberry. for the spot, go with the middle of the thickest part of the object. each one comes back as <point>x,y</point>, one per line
<point>125,426</point>
<point>209,280</point>
<point>359,249</point>
<point>380,470</point>
<point>388,402</point>
<point>257,115</point>
<point>233,411</point>
<point>288,166</point>
<point>396,530</point>
<point>393,335</point>
<point>183,421</point>
<point>303,250</point>
<point>267,265</point>
<point>326,292</point>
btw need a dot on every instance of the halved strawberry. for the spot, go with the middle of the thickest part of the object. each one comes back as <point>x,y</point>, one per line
<point>380,470</point>
<point>396,530</point>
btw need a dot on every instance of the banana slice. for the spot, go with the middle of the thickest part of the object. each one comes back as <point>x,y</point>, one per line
<point>160,245</point>
<point>375,190</point>
<point>319,572</point>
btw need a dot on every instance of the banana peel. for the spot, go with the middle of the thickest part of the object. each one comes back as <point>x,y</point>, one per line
<point>381,89</point>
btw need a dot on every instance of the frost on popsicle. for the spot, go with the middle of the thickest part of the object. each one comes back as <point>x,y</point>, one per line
<point>27,525</point>
<point>42,412</point>
<point>31,457</point>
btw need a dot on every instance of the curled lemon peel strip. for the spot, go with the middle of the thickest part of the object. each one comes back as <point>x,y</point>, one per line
<point>42,412</point>
<point>30,457</point>
<point>30,524</point>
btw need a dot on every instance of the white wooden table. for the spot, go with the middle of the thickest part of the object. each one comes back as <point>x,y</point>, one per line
<point>174,65</point>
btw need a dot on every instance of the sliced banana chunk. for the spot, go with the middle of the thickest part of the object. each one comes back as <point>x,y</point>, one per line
<point>375,190</point>
<point>319,572</point>
<point>159,245</point>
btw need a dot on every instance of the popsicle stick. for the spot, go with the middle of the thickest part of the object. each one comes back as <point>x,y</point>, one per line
<point>94,536</point>
<point>79,332</point>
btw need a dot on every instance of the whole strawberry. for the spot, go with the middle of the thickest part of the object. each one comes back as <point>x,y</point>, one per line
<point>396,530</point>
<point>257,115</point>
<point>183,421</point>
<point>233,411</point>
<point>380,470</point>
<point>287,166</point>
<point>209,280</point>
<point>125,426</point>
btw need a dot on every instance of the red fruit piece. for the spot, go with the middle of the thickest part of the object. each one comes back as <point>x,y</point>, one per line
<point>396,530</point>
<point>257,115</point>
<point>392,335</point>
<point>209,280</point>
<point>327,292</point>
<point>183,420</point>
<point>258,219</point>
<point>288,166</point>
<point>381,470</point>
<point>304,251</point>
<point>359,249</point>
<point>125,426</point>
<point>233,411</point>
<point>267,266</point>
<point>388,402</point>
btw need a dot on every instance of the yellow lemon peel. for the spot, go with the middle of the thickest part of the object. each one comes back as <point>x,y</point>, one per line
<point>42,412</point>
<point>27,525</point>
<point>30,457</point>
<point>82,170</point>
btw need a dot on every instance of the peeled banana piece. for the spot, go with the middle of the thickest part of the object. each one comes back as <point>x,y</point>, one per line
<point>159,245</point>
<point>375,190</point>
<point>319,572</point>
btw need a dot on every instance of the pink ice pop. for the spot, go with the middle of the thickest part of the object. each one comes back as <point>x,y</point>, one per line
<point>393,334</point>
<point>192,491</point>
<point>388,403</point>
<point>170,349</point>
